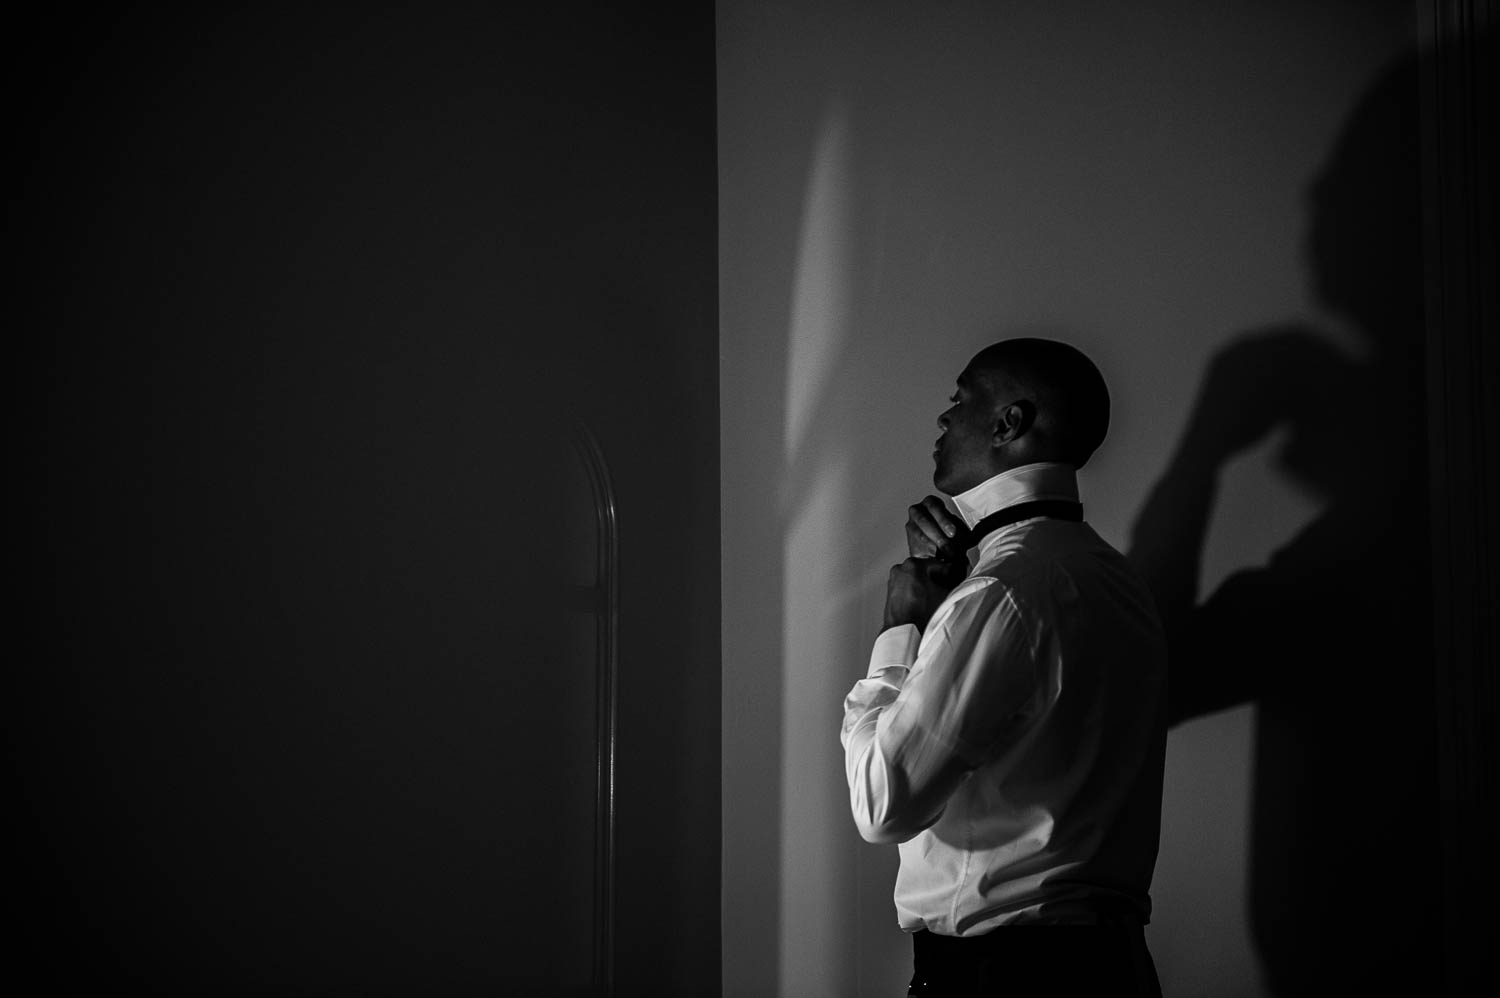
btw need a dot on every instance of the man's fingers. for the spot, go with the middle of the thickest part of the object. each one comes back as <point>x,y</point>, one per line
<point>918,543</point>
<point>940,516</point>
<point>929,533</point>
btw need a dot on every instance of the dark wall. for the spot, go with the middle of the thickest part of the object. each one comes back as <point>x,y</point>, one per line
<point>317,298</point>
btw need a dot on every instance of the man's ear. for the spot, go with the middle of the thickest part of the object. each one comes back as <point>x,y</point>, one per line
<point>1013,421</point>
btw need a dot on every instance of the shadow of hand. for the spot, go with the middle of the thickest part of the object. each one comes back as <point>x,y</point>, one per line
<point>1262,380</point>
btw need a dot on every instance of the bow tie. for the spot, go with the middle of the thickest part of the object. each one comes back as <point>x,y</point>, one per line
<point>1056,509</point>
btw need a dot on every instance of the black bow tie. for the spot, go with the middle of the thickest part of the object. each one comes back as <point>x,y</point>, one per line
<point>1056,509</point>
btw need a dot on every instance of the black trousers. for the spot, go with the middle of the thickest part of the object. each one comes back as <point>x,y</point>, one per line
<point>1035,960</point>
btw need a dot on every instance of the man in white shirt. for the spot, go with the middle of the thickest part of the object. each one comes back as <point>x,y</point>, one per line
<point>1010,733</point>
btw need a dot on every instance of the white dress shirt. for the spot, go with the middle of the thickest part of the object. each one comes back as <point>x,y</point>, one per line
<point>1014,748</point>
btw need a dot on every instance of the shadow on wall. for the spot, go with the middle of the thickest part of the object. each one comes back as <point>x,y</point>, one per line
<point>1330,639</point>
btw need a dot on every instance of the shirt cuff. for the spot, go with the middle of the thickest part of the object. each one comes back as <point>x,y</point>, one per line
<point>895,646</point>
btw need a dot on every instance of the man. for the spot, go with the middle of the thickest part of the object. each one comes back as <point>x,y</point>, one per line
<point>1011,730</point>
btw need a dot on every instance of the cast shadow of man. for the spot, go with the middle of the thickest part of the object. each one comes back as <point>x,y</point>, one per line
<point>1330,639</point>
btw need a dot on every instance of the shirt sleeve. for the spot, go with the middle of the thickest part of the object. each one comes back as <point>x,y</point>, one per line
<point>933,706</point>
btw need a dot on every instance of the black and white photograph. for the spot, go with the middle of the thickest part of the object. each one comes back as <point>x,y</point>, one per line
<point>756,499</point>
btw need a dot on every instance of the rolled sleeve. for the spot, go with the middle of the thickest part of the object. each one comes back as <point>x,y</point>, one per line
<point>929,706</point>
<point>890,660</point>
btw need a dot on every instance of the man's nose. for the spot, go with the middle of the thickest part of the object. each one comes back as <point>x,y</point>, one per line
<point>943,421</point>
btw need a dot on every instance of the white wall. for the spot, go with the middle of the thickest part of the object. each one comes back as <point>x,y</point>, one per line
<point>901,184</point>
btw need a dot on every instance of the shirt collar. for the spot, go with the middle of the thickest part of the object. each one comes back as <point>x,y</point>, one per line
<point>1043,480</point>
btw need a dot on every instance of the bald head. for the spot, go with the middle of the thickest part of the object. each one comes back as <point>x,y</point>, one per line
<point>1018,402</point>
<point>1071,400</point>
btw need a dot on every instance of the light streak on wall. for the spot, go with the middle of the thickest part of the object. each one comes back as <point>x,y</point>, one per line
<point>821,292</point>
<point>816,507</point>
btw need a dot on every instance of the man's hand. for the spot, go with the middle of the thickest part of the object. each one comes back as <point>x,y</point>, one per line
<point>932,532</point>
<point>915,589</point>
